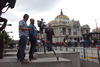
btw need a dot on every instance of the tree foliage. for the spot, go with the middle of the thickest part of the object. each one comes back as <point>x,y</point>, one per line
<point>4,36</point>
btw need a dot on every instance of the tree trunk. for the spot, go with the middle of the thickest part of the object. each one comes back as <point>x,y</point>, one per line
<point>1,48</point>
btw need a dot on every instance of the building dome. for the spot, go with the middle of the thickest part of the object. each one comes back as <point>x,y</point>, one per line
<point>59,18</point>
<point>62,16</point>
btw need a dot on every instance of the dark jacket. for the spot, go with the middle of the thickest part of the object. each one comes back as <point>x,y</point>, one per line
<point>49,33</point>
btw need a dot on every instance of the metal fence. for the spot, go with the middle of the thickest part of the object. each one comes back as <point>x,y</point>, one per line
<point>89,54</point>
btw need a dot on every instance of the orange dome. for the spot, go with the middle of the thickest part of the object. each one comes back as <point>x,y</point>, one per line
<point>62,17</point>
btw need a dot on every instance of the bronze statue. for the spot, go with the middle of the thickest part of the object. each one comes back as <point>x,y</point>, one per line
<point>3,4</point>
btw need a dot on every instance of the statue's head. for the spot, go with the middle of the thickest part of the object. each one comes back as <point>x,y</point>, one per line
<point>11,3</point>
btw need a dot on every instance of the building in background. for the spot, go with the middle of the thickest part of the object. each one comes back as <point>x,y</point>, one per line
<point>64,27</point>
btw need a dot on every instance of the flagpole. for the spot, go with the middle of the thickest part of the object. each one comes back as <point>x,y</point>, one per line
<point>96,25</point>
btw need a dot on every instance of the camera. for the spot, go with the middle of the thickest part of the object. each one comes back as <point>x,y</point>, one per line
<point>41,24</point>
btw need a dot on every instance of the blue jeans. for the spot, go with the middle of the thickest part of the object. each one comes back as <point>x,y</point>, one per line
<point>21,48</point>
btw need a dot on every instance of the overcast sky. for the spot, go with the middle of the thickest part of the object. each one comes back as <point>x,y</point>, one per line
<point>86,11</point>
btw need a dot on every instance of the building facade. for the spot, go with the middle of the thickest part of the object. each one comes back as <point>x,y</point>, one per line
<point>66,29</point>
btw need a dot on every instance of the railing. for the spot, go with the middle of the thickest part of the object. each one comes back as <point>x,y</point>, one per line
<point>89,54</point>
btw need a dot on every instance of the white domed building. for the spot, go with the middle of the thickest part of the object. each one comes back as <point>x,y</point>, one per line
<point>63,27</point>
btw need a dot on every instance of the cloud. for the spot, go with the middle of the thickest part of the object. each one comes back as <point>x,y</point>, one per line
<point>32,7</point>
<point>10,17</point>
<point>36,5</point>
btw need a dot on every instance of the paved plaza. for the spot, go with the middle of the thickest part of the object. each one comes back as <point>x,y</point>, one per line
<point>67,55</point>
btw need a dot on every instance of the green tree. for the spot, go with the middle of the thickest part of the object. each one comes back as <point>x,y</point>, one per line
<point>5,37</point>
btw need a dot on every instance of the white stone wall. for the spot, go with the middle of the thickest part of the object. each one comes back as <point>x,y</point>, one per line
<point>68,25</point>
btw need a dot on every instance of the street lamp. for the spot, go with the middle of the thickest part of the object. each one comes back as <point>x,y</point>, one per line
<point>7,24</point>
<point>10,32</point>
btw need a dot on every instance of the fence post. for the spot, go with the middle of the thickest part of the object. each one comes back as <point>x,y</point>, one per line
<point>84,53</point>
<point>66,48</point>
<point>74,49</point>
<point>60,47</point>
<point>98,55</point>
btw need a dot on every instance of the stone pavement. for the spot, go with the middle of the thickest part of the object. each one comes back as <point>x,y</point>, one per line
<point>66,59</point>
<point>40,62</point>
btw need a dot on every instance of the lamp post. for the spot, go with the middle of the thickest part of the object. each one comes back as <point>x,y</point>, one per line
<point>7,24</point>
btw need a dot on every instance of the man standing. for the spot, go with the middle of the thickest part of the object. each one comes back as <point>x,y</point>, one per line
<point>23,34</point>
<point>33,39</point>
<point>49,33</point>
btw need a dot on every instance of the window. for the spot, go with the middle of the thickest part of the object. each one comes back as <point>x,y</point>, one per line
<point>63,22</point>
<point>87,31</point>
<point>75,33</point>
<point>82,31</point>
<point>69,31</point>
<point>64,31</point>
